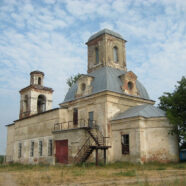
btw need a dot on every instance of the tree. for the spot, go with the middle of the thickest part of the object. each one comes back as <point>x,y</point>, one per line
<point>175,106</point>
<point>73,79</point>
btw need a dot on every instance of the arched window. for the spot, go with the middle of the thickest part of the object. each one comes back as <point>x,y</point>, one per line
<point>97,56</point>
<point>83,86</point>
<point>115,53</point>
<point>41,104</point>
<point>26,103</point>
<point>39,81</point>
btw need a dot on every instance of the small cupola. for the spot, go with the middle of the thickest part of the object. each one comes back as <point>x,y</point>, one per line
<point>84,85</point>
<point>36,78</point>
<point>129,83</point>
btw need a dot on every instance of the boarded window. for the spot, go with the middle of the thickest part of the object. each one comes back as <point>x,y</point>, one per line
<point>40,148</point>
<point>32,149</point>
<point>19,150</point>
<point>50,147</point>
<point>125,144</point>
<point>115,53</point>
<point>97,56</point>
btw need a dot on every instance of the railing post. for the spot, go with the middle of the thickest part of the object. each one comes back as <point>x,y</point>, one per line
<point>105,156</point>
<point>96,157</point>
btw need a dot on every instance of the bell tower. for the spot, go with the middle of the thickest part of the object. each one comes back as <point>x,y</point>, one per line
<point>106,48</point>
<point>35,98</point>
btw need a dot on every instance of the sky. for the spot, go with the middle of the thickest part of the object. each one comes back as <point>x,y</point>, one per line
<point>50,36</point>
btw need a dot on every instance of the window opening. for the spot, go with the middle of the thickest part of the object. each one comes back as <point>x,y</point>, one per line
<point>115,51</point>
<point>32,149</point>
<point>83,86</point>
<point>97,55</point>
<point>125,144</point>
<point>39,81</point>
<point>75,116</point>
<point>41,104</point>
<point>40,148</point>
<point>91,119</point>
<point>50,147</point>
<point>26,103</point>
<point>130,85</point>
<point>19,150</point>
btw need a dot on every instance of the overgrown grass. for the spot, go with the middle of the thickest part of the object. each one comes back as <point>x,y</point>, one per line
<point>86,173</point>
<point>116,165</point>
<point>129,173</point>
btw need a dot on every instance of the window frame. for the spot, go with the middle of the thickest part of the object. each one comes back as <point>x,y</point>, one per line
<point>32,149</point>
<point>125,144</point>
<point>96,56</point>
<point>115,54</point>
<point>39,80</point>
<point>50,147</point>
<point>40,148</point>
<point>19,150</point>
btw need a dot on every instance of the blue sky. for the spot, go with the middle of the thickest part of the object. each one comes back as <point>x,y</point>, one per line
<point>50,36</point>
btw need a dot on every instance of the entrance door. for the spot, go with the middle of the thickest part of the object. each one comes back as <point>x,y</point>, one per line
<point>91,118</point>
<point>62,151</point>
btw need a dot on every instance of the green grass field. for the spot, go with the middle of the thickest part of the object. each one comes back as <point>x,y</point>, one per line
<point>118,173</point>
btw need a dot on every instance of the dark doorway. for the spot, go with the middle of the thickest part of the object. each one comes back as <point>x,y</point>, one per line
<point>90,119</point>
<point>41,104</point>
<point>75,116</point>
<point>62,151</point>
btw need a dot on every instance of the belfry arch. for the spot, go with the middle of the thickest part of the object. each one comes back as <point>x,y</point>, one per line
<point>41,104</point>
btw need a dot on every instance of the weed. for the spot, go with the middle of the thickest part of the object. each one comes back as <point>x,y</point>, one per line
<point>179,166</point>
<point>161,168</point>
<point>78,172</point>
<point>129,173</point>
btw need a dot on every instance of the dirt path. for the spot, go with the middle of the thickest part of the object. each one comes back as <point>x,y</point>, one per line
<point>7,179</point>
<point>132,181</point>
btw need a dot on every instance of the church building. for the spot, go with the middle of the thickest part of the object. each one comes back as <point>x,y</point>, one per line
<point>107,115</point>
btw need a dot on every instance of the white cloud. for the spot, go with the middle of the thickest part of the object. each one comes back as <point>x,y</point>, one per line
<point>51,38</point>
<point>106,25</point>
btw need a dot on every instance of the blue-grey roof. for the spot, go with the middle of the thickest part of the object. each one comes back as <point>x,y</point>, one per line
<point>105,31</point>
<point>106,78</point>
<point>147,111</point>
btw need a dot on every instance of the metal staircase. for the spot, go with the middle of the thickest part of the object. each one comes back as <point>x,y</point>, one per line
<point>95,141</point>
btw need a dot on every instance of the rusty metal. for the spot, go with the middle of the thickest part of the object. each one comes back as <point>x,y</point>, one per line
<point>70,125</point>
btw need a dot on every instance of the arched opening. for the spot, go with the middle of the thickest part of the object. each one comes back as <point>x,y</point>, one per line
<point>39,81</point>
<point>115,53</point>
<point>97,56</point>
<point>26,103</point>
<point>41,104</point>
<point>83,86</point>
<point>130,85</point>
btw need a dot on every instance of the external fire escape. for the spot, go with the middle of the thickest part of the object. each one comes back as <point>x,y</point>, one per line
<point>95,140</point>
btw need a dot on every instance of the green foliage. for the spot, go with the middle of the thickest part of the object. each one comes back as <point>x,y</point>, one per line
<point>129,173</point>
<point>73,79</point>
<point>175,106</point>
<point>1,159</point>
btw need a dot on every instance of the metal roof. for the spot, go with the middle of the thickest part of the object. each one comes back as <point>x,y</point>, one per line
<point>37,72</point>
<point>105,31</point>
<point>106,78</point>
<point>147,111</point>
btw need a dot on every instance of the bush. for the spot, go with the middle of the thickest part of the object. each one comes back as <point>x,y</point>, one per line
<point>2,159</point>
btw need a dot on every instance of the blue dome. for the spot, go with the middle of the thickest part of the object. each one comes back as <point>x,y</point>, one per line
<point>106,78</point>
